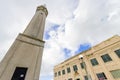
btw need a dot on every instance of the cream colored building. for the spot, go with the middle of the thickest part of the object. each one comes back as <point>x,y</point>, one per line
<point>101,62</point>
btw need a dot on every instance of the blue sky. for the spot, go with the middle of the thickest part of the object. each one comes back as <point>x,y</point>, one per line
<point>72,26</point>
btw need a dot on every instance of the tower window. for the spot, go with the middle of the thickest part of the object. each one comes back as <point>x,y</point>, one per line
<point>106,58</point>
<point>118,52</point>
<point>41,13</point>
<point>19,73</point>
<point>94,62</point>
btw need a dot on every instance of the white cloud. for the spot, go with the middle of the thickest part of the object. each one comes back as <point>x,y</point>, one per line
<point>52,55</point>
<point>60,10</point>
<point>90,22</point>
<point>94,22</point>
<point>80,21</point>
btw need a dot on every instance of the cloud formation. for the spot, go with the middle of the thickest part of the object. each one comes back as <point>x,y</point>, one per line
<point>90,22</point>
<point>69,25</point>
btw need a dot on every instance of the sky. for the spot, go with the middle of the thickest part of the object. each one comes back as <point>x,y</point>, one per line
<point>72,26</point>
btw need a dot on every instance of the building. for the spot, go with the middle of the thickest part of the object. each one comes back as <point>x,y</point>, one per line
<point>23,59</point>
<point>101,62</point>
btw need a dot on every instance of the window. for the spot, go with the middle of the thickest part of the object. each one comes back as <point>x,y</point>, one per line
<point>94,62</point>
<point>63,72</point>
<point>70,79</point>
<point>59,73</point>
<point>118,52</point>
<point>101,76</point>
<point>116,73</point>
<point>85,77</point>
<point>75,68</point>
<point>68,70</point>
<point>20,73</point>
<point>41,13</point>
<point>82,65</point>
<point>55,74</point>
<point>106,58</point>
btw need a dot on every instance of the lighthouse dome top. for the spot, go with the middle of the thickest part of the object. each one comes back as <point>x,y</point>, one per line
<point>43,8</point>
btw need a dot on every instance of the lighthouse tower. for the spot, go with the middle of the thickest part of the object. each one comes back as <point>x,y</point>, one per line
<point>23,59</point>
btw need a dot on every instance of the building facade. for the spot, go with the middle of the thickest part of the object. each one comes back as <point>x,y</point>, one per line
<point>101,62</point>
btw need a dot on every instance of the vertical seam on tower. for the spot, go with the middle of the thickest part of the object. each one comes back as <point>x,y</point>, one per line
<point>39,24</point>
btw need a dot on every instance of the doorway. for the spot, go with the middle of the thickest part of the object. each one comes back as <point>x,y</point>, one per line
<point>19,73</point>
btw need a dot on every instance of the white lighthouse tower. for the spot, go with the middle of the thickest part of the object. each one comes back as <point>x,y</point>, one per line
<point>23,59</point>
